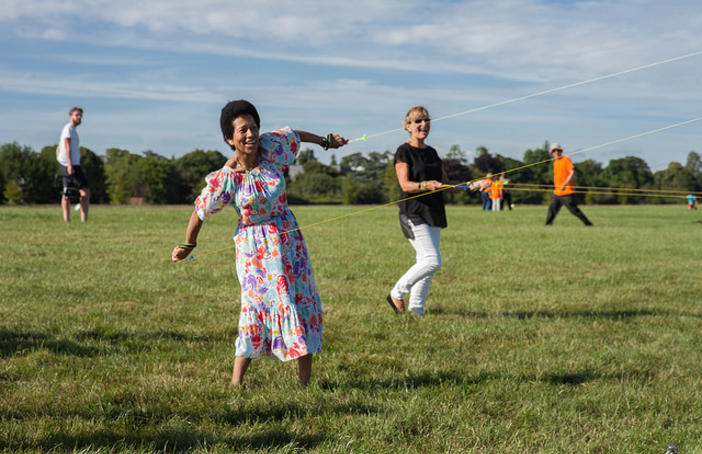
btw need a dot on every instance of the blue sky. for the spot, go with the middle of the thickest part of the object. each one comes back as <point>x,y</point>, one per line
<point>153,75</point>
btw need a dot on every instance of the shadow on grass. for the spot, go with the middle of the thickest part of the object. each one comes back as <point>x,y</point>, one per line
<point>588,375</point>
<point>409,381</point>
<point>15,342</point>
<point>603,314</point>
<point>115,337</point>
<point>185,439</point>
<point>21,342</point>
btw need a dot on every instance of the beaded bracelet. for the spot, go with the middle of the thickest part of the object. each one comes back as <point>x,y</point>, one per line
<point>188,245</point>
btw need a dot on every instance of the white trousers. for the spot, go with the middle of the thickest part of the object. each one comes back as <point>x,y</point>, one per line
<point>417,280</point>
<point>496,204</point>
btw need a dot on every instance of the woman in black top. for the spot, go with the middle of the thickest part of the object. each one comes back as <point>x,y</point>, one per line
<point>419,169</point>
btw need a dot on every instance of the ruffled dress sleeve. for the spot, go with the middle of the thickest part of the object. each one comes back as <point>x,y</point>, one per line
<point>219,192</point>
<point>279,148</point>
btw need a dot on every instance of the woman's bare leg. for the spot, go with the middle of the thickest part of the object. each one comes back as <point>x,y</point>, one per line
<point>240,366</point>
<point>305,368</point>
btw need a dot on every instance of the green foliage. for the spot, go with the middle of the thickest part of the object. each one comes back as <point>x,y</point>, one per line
<point>304,156</point>
<point>13,193</point>
<point>315,187</point>
<point>192,169</point>
<point>94,170</point>
<point>121,181</point>
<point>627,172</point>
<point>51,190</point>
<point>357,192</point>
<point>156,179</point>
<point>19,173</point>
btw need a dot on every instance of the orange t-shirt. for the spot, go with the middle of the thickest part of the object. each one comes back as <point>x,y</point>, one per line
<point>496,189</point>
<point>561,168</point>
<point>487,188</point>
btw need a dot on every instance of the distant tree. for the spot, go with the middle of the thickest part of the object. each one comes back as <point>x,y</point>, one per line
<point>694,166</point>
<point>19,170</point>
<point>333,160</point>
<point>540,173</point>
<point>94,169</point>
<point>316,187</point>
<point>588,174</point>
<point>156,179</point>
<point>358,192</point>
<point>304,156</point>
<point>485,162</point>
<point>316,167</point>
<point>192,168</point>
<point>120,178</point>
<point>675,177</point>
<point>455,152</point>
<point>51,171</point>
<point>628,172</point>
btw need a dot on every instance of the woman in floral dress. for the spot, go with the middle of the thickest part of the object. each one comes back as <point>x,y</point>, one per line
<point>281,313</point>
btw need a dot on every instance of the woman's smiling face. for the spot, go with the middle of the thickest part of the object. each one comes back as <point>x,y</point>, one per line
<point>245,138</point>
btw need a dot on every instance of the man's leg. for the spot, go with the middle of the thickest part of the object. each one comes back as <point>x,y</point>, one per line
<point>66,208</point>
<point>553,208</point>
<point>569,203</point>
<point>84,204</point>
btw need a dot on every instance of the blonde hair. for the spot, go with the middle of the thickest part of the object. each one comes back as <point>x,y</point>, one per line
<point>414,113</point>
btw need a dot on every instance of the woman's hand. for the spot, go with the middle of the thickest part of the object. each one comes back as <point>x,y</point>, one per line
<point>432,185</point>
<point>337,141</point>
<point>180,253</point>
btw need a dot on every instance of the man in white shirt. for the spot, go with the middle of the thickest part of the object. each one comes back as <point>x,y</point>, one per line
<point>68,155</point>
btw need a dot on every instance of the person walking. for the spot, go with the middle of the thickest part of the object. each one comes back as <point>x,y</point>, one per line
<point>281,311</point>
<point>68,157</point>
<point>563,173</point>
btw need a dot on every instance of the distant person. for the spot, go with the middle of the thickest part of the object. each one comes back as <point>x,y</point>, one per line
<point>563,172</point>
<point>68,156</point>
<point>485,192</point>
<point>691,202</point>
<point>506,195</point>
<point>496,194</point>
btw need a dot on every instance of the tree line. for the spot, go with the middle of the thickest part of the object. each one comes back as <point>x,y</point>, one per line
<point>119,176</point>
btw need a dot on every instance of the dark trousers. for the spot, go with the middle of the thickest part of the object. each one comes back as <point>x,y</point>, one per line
<point>555,206</point>
<point>487,203</point>
<point>506,200</point>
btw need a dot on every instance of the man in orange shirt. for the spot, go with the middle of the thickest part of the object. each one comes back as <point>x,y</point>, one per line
<point>563,172</point>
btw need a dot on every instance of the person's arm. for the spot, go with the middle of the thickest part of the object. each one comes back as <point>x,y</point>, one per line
<point>67,147</point>
<point>458,186</point>
<point>182,251</point>
<point>412,187</point>
<point>569,179</point>
<point>335,142</point>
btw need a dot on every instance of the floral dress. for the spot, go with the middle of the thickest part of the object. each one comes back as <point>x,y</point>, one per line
<point>281,313</point>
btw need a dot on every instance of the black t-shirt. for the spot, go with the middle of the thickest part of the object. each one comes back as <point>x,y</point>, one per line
<point>424,164</point>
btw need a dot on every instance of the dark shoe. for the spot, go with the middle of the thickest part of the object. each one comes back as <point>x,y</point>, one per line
<point>392,304</point>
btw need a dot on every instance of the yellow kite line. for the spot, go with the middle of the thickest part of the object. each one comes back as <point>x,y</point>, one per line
<point>603,192</point>
<point>365,210</point>
<point>609,188</point>
<point>550,90</point>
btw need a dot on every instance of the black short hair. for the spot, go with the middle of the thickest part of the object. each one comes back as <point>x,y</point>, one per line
<point>231,111</point>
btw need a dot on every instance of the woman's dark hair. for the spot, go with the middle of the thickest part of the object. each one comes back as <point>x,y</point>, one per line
<point>235,109</point>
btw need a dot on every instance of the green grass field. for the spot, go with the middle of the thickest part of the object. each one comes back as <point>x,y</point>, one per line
<point>564,339</point>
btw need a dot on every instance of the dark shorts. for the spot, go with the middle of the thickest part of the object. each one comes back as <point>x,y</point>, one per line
<point>75,181</point>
